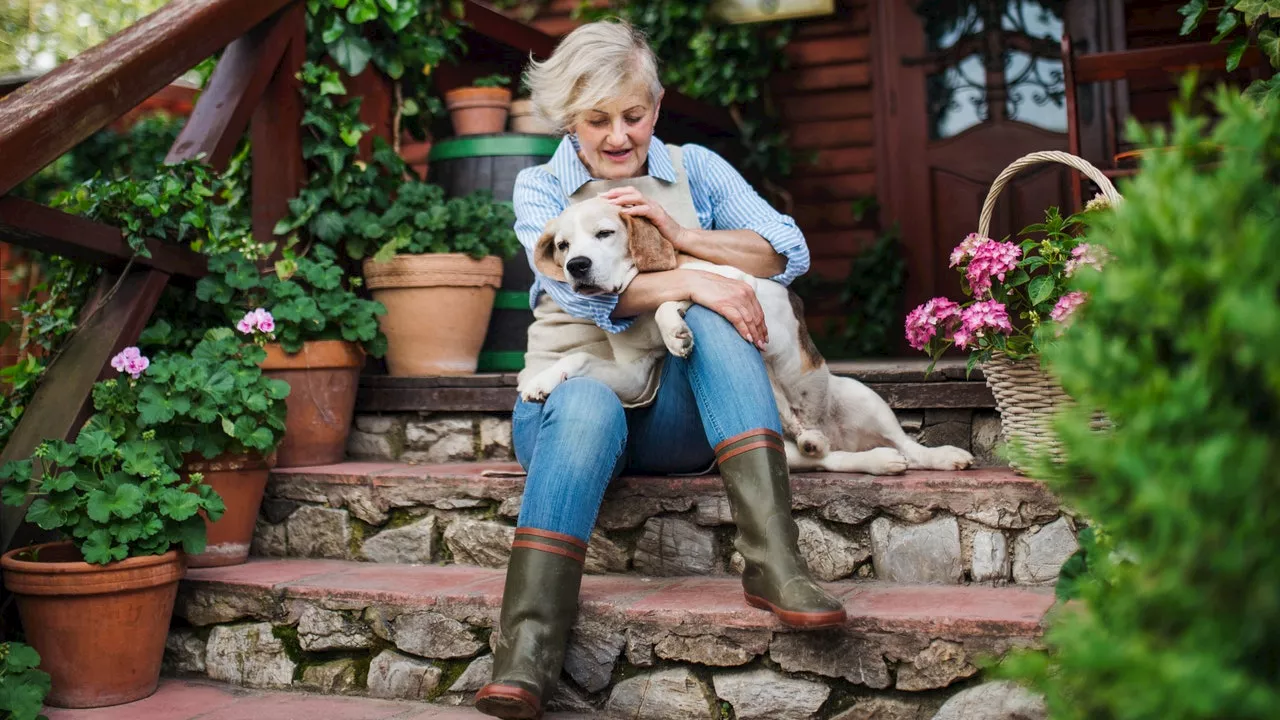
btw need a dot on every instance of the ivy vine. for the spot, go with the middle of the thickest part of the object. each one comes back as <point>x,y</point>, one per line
<point>1247,23</point>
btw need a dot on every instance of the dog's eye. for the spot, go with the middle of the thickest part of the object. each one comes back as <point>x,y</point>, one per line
<point>563,246</point>
<point>603,234</point>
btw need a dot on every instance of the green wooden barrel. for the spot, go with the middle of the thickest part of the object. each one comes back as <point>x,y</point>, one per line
<point>462,165</point>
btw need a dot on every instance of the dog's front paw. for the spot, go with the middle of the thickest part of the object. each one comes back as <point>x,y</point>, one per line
<point>949,457</point>
<point>541,386</point>
<point>679,341</point>
<point>813,443</point>
<point>885,461</point>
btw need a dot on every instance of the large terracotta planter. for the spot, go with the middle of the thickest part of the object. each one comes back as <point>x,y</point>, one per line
<point>478,111</point>
<point>523,119</point>
<point>438,309</point>
<point>322,378</point>
<point>99,629</point>
<point>240,480</point>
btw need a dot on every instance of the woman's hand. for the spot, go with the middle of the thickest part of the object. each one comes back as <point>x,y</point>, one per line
<point>633,202</point>
<point>734,300</point>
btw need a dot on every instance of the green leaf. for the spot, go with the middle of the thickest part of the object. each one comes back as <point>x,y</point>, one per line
<point>1193,11</point>
<point>45,515</point>
<point>260,438</point>
<point>352,54</point>
<point>99,549</point>
<point>17,470</point>
<point>333,30</point>
<point>95,444</point>
<point>14,494</point>
<point>21,657</point>
<point>124,502</point>
<point>228,427</point>
<point>1269,44</point>
<point>1235,52</point>
<point>1040,289</point>
<point>179,504</point>
<point>1254,9</point>
<point>328,226</point>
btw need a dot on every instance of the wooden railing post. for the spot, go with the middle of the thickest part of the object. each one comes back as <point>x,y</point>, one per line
<point>276,131</point>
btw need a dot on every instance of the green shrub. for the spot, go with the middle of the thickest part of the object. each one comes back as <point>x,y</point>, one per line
<point>22,686</point>
<point>1179,343</point>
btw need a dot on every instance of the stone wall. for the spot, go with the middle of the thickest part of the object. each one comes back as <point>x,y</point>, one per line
<point>432,438</point>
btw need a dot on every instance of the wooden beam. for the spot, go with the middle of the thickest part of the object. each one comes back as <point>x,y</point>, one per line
<point>1120,64</point>
<point>61,403</point>
<point>276,132</point>
<point>52,114</point>
<point>222,113</point>
<point>42,228</point>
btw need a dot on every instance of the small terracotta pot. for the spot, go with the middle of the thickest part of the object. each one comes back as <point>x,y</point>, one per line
<point>523,119</point>
<point>478,111</point>
<point>99,629</point>
<point>438,308</point>
<point>322,378</point>
<point>415,155</point>
<point>240,480</point>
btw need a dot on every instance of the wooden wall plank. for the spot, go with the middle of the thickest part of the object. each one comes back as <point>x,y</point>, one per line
<point>835,104</point>
<point>832,161</point>
<point>821,188</point>
<point>828,77</point>
<point>832,134</point>
<point>805,52</point>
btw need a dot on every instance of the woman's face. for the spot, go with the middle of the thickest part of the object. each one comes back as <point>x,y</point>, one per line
<point>613,139</point>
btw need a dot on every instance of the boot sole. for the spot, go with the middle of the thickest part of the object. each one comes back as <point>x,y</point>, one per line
<point>802,620</point>
<point>508,702</point>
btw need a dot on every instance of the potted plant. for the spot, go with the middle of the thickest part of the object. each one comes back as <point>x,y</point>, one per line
<point>1019,299</point>
<point>96,606</point>
<point>524,119</point>
<point>441,254</point>
<point>480,108</point>
<point>22,685</point>
<point>224,416</point>
<point>322,331</point>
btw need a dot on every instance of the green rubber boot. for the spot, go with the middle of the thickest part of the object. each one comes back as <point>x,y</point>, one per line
<point>754,468</point>
<point>539,603</point>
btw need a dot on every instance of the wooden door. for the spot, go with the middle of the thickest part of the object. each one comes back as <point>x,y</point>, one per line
<point>966,87</point>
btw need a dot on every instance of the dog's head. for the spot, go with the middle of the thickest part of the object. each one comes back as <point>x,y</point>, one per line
<point>598,250</point>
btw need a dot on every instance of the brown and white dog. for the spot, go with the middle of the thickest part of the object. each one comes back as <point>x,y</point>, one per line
<point>830,422</point>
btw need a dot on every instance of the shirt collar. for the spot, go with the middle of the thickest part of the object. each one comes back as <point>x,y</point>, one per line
<point>573,174</point>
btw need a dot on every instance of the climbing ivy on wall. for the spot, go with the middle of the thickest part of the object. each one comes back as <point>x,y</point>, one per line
<point>1246,23</point>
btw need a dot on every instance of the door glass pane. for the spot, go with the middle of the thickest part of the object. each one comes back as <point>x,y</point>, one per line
<point>985,51</point>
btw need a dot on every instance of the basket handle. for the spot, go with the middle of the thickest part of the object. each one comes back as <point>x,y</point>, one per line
<point>988,207</point>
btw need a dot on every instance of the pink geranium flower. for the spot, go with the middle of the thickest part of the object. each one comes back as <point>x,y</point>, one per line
<point>991,259</point>
<point>966,247</point>
<point>924,321</point>
<point>1067,305</point>
<point>979,318</point>
<point>256,320</point>
<point>130,360</point>
<point>1082,255</point>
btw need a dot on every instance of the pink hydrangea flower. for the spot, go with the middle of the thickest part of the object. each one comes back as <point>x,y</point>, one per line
<point>1082,255</point>
<point>979,317</point>
<point>966,247</point>
<point>923,322</point>
<point>130,360</point>
<point>256,320</point>
<point>991,259</point>
<point>1067,305</point>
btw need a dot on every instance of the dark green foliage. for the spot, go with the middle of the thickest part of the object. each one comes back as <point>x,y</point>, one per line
<point>309,295</point>
<point>1178,616</point>
<point>1247,22</point>
<point>22,686</point>
<point>422,221</point>
<point>871,296</point>
<point>491,81</point>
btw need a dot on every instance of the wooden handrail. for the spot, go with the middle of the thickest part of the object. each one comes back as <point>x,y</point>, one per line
<point>1120,64</point>
<point>52,114</point>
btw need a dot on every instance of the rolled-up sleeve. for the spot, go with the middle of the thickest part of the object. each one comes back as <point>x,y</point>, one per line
<point>735,205</point>
<point>536,200</point>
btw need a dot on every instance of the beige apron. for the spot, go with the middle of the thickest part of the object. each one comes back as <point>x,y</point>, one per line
<point>555,333</point>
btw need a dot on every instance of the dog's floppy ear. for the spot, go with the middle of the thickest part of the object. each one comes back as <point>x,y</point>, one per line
<point>544,252</point>
<point>649,250</point>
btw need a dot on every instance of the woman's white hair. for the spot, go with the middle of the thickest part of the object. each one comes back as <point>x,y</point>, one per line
<point>592,65</point>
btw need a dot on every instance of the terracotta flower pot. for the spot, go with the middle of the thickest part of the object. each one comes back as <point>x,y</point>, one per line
<point>322,378</point>
<point>415,154</point>
<point>438,308</point>
<point>477,111</point>
<point>240,480</point>
<point>523,119</point>
<point>99,629</point>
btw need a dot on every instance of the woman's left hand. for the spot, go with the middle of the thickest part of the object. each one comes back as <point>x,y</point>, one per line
<point>633,202</point>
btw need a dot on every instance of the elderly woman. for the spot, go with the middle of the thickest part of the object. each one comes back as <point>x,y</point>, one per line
<point>714,408</point>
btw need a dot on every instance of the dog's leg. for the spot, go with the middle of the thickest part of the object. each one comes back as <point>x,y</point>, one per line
<point>878,461</point>
<point>868,421</point>
<point>675,331</point>
<point>627,380</point>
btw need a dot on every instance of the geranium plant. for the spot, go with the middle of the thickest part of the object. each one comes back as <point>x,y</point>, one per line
<point>22,686</point>
<point>421,220</point>
<point>1018,290</point>
<point>212,401</point>
<point>308,294</point>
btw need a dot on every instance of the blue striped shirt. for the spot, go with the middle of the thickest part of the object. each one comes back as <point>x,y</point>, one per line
<point>723,199</point>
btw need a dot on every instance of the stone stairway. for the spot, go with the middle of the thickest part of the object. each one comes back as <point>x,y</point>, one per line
<point>385,579</point>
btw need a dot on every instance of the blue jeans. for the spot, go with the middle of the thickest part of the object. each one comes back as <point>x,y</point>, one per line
<point>577,441</point>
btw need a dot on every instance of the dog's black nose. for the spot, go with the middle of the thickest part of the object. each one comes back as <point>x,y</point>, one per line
<point>578,266</point>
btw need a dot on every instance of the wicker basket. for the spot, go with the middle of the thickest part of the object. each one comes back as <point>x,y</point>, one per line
<point>1026,396</point>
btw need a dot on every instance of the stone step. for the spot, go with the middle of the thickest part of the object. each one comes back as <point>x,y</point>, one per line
<point>203,700</point>
<point>984,526</point>
<point>672,648</point>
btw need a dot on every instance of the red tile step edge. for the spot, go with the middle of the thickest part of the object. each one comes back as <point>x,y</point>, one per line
<point>717,600</point>
<point>188,700</point>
